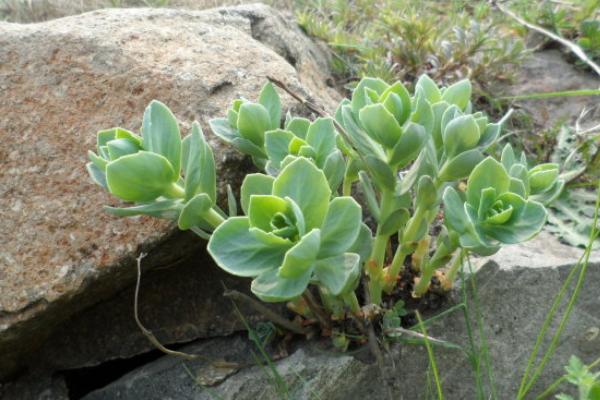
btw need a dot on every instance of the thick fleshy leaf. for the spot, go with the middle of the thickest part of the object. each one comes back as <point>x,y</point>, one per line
<point>302,256</point>
<point>428,88</point>
<point>194,210</point>
<point>542,177</point>
<point>97,175</point>
<point>460,166</point>
<point>489,135</point>
<point>254,184</point>
<point>522,225</point>
<point>269,98</point>
<point>359,138</point>
<point>488,198</point>
<point>394,222</point>
<point>551,194</point>
<point>121,133</point>
<point>454,211</point>
<point>338,274</point>
<point>121,147</point>
<point>363,243</point>
<point>458,93</point>
<point>380,124</point>
<point>222,128</point>
<point>396,100</point>
<point>106,135</point>
<point>276,145</point>
<point>262,209</point>
<point>369,193</point>
<point>140,177</point>
<point>297,212</point>
<point>99,162</point>
<point>168,209</point>
<point>382,174</point>
<point>438,110</point>
<point>341,226</point>
<point>334,169</point>
<point>253,121</point>
<point>247,147</point>
<point>517,186</point>
<point>321,137</point>
<point>160,133</point>
<point>408,147</point>
<point>508,157</point>
<point>359,97</point>
<point>199,165</point>
<point>426,192</point>
<point>237,251</point>
<point>299,126</point>
<point>423,114</point>
<point>488,173</point>
<point>294,180</point>
<point>461,134</point>
<point>271,288</point>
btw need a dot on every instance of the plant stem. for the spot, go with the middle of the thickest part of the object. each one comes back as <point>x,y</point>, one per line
<point>316,309</point>
<point>451,274</point>
<point>175,191</point>
<point>346,186</point>
<point>351,301</point>
<point>375,263</point>
<point>395,268</point>
<point>213,218</point>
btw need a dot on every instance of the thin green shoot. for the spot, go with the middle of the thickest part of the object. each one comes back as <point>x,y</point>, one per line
<point>549,95</point>
<point>432,363</point>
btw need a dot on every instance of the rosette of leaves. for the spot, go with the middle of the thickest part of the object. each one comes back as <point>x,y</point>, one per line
<point>247,122</point>
<point>301,138</point>
<point>293,234</point>
<point>491,213</point>
<point>541,183</point>
<point>146,170</point>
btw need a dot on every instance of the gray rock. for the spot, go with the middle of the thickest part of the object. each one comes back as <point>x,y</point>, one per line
<point>64,80</point>
<point>515,289</point>
<point>549,71</point>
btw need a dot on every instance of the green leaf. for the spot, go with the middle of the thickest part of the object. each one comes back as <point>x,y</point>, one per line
<point>272,288</point>
<point>167,209</point>
<point>262,209</point>
<point>508,157</point>
<point>160,133</point>
<point>338,274</point>
<point>542,177</point>
<point>524,223</point>
<point>334,169</point>
<point>99,162</point>
<point>222,129</point>
<point>254,184</point>
<point>438,109</point>
<point>299,126</point>
<point>253,121</point>
<point>426,192</point>
<point>193,212</point>
<point>105,135</point>
<point>518,187</point>
<point>382,174</point>
<point>341,226</point>
<point>270,100</point>
<point>369,192</point>
<point>394,222</point>
<point>489,135</point>
<point>428,88</point>
<point>231,202</point>
<point>380,124</point>
<point>359,97</point>
<point>293,181</point>
<point>461,165</point>
<point>121,133</point>
<point>488,173</point>
<point>359,139</point>
<point>140,177</point>
<point>247,147</point>
<point>423,114</point>
<point>237,251</point>
<point>461,134</point>
<point>454,211</point>
<point>302,256</point>
<point>408,147</point>
<point>198,165</point>
<point>276,145</point>
<point>458,94</point>
<point>321,137</point>
<point>548,196</point>
<point>97,175</point>
<point>363,243</point>
<point>121,147</point>
<point>396,100</point>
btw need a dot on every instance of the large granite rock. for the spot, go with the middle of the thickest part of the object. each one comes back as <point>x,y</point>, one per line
<point>515,289</point>
<point>62,81</point>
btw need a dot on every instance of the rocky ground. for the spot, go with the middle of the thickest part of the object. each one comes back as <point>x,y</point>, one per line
<point>67,268</point>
